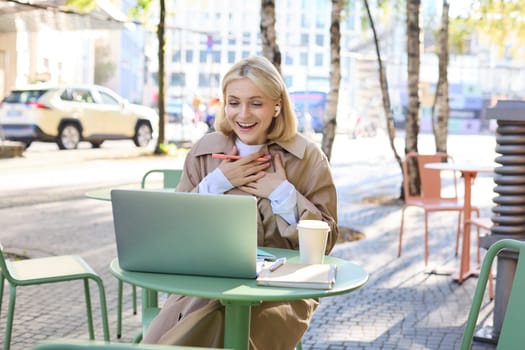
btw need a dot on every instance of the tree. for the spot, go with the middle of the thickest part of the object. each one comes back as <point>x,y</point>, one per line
<point>384,89</point>
<point>162,91</point>
<point>270,48</point>
<point>332,99</point>
<point>413,65</point>
<point>441,98</point>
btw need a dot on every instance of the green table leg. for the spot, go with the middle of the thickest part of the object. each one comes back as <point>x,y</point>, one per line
<point>237,324</point>
<point>150,308</point>
<point>150,298</point>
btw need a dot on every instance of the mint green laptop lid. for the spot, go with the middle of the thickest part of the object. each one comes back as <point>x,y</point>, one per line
<point>185,233</point>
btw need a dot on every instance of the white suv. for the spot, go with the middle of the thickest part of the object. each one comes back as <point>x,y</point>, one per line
<point>73,113</point>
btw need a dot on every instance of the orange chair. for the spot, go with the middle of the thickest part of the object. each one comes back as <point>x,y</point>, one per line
<point>486,224</point>
<point>431,198</point>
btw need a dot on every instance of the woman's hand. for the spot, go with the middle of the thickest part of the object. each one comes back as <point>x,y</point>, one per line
<point>264,185</point>
<point>245,170</point>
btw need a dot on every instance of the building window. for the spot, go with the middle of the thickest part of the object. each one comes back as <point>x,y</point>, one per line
<point>303,59</point>
<point>215,79</point>
<point>189,56</point>
<point>178,79</point>
<point>319,39</point>
<point>207,79</point>
<point>319,59</point>
<point>320,21</point>
<point>305,22</point>
<point>245,54</point>
<point>304,39</point>
<point>231,56</point>
<point>288,59</point>
<point>216,56</point>
<point>176,56</point>
<point>202,56</point>
<point>204,80</point>
<point>246,38</point>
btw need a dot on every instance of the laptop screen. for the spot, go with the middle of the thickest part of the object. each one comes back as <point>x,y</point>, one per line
<point>185,233</point>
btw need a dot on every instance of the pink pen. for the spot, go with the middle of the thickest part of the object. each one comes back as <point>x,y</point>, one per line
<point>229,156</point>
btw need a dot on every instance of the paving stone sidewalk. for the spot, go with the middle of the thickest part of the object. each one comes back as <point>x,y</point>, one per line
<point>401,307</point>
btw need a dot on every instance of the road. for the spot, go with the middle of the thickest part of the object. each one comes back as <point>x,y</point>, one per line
<point>45,174</point>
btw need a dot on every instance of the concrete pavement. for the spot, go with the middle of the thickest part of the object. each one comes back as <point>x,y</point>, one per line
<point>401,307</point>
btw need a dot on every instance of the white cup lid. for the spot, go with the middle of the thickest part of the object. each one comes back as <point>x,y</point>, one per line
<point>313,224</point>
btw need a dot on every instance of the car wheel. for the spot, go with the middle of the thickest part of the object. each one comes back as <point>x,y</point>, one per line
<point>68,136</point>
<point>143,135</point>
<point>96,144</point>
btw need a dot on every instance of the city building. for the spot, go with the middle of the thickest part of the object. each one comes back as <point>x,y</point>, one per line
<point>42,40</point>
<point>204,37</point>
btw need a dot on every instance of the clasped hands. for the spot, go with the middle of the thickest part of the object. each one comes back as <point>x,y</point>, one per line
<point>250,175</point>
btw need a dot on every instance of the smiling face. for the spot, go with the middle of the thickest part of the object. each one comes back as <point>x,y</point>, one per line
<point>249,112</point>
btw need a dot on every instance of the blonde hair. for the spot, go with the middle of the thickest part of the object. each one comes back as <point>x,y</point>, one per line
<point>266,77</point>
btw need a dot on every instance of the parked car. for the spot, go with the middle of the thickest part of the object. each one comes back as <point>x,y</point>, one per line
<point>72,113</point>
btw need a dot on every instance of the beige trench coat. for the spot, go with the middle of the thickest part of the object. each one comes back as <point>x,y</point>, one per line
<point>276,325</point>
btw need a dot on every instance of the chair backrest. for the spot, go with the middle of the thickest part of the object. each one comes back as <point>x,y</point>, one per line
<point>3,266</point>
<point>430,180</point>
<point>511,336</point>
<point>171,177</point>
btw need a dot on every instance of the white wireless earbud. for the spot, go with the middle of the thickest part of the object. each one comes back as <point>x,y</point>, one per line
<point>277,110</point>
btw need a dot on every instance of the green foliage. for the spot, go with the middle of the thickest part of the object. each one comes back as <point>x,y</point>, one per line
<point>82,6</point>
<point>459,34</point>
<point>500,23</point>
<point>142,10</point>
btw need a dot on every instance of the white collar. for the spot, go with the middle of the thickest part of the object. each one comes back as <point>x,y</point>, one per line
<point>245,149</point>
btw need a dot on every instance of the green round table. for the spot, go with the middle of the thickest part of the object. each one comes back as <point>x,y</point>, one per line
<point>237,295</point>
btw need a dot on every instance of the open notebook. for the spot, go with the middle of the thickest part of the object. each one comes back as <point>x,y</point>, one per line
<point>310,276</point>
<point>186,233</point>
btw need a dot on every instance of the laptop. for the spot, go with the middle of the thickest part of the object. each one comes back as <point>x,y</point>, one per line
<point>185,233</point>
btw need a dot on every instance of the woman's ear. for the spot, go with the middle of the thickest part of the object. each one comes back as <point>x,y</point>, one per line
<point>277,111</point>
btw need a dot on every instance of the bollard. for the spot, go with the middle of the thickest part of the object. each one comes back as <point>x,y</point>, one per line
<point>508,213</point>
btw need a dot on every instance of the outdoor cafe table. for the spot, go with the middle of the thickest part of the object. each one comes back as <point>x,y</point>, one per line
<point>468,172</point>
<point>236,294</point>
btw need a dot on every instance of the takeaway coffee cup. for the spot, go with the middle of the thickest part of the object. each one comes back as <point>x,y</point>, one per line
<point>312,240</point>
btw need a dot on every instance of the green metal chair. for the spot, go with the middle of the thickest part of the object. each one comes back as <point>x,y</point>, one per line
<point>88,345</point>
<point>49,270</point>
<point>511,336</point>
<point>170,179</point>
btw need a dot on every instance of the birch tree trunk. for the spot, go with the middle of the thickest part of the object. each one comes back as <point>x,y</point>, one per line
<point>270,47</point>
<point>161,28</point>
<point>413,64</point>
<point>384,89</point>
<point>440,106</point>
<point>332,99</point>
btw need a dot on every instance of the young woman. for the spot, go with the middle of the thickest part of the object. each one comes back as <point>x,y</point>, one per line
<point>292,180</point>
